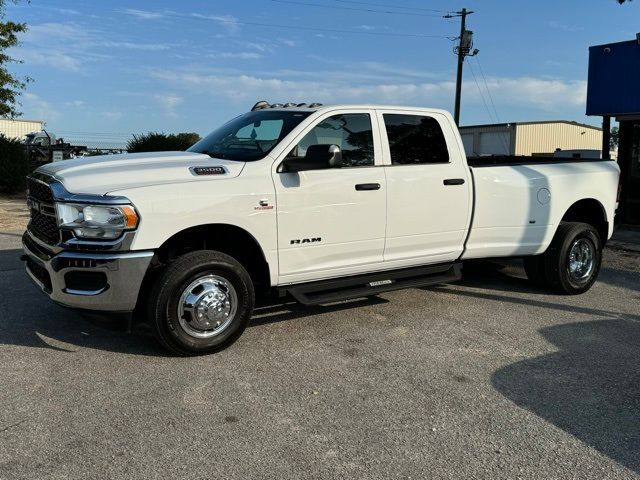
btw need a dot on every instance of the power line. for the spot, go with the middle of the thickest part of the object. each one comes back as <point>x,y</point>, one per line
<point>486,106</point>
<point>356,9</point>
<point>493,105</point>
<point>491,118</point>
<point>486,86</point>
<point>237,22</point>
<point>398,7</point>
<point>295,27</point>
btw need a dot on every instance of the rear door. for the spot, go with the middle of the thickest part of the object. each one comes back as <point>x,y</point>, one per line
<point>428,188</point>
<point>331,222</point>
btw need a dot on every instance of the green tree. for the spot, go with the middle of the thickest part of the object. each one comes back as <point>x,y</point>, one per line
<point>614,139</point>
<point>161,142</point>
<point>14,165</point>
<point>10,85</point>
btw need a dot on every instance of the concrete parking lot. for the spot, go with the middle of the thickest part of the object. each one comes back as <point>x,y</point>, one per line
<point>487,378</point>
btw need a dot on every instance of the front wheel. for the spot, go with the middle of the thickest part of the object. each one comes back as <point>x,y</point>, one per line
<point>201,303</point>
<point>572,262</point>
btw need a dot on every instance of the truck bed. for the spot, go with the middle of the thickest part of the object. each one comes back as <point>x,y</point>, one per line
<point>511,160</point>
<point>519,201</point>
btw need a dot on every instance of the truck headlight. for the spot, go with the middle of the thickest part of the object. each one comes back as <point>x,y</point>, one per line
<point>96,221</point>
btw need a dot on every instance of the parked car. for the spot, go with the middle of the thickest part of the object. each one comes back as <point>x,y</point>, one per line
<point>318,203</point>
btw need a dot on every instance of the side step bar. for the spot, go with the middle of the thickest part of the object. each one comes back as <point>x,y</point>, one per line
<point>327,291</point>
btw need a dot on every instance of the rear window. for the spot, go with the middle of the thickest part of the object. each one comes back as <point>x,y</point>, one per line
<point>415,139</point>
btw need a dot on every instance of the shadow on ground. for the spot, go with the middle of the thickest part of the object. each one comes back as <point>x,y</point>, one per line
<point>590,388</point>
<point>507,275</point>
<point>28,318</point>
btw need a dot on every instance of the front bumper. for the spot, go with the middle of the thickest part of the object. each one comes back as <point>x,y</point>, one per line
<point>107,282</point>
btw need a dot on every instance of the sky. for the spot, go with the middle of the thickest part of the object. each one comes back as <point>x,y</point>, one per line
<point>105,70</point>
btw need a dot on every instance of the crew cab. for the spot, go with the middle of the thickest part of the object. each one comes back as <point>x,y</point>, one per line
<point>318,203</point>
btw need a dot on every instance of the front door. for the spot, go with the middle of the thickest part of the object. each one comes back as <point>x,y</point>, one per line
<point>331,222</point>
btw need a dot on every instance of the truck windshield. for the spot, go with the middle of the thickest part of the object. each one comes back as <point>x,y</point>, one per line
<point>250,136</point>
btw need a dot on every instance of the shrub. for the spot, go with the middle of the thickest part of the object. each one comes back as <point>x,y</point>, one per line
<point>14,165</point>
<point>161,142</point>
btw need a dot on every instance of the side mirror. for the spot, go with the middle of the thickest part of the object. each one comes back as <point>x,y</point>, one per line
<point>318,157</point>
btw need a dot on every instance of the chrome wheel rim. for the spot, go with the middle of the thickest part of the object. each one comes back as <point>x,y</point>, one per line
<point>207,306</point>
<point>581,260</point>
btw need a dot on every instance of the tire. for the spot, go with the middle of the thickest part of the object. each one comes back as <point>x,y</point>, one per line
<point>534,268</point>
<point>201,303</point>
<point>561,275</point>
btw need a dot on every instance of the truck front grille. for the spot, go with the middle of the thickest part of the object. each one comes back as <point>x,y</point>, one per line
<point>39,191</point>
<point>43,222</point>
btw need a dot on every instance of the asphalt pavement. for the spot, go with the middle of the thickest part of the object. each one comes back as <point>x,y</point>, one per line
<point>487,378</point>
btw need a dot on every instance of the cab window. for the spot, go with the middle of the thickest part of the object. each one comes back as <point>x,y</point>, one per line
<point>352,132</point>
<point>415,139</point>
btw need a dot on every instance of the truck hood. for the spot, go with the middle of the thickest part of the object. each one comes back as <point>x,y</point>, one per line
<point>108,173</point>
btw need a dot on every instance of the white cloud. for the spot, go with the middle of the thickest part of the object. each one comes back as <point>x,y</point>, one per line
<point>366,27</point>
<point>261,47</point>
<point>237,55</point>
<point>228,20</point>
<point>36,107</point>
<point>112,115</point>
<point>328,90</point>
<point>287,42</point>
<point>53,59</point>
<point>46,32</point>
<point>168,103</point>
<point>144,14</point>
<point>76,104</point>
<point>538,93</point>
<point>547,94</point>
<point>564,26</point>
<point>70,46</point>
<point>137,46</point>
<point>66,11</point>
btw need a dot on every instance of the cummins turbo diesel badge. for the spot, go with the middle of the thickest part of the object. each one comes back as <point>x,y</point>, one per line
<point>208,170</point>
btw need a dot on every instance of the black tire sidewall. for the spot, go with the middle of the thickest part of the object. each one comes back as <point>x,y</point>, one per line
<point>560,278</point>
<point>171,286</point>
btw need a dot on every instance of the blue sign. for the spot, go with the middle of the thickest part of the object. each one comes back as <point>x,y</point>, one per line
<point>614,79</point>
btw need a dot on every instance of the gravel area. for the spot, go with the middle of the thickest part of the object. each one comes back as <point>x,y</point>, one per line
<point>486,378</point>
<point>14,213</point>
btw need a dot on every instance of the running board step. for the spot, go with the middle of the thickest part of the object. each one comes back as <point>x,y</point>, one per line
<point>327,291</point>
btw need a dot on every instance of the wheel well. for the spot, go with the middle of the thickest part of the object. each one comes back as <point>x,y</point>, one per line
<point>229,239</point>
<point>592,212</point>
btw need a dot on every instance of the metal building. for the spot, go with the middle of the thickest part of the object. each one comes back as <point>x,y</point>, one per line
<point>614,91</point>
<point>18,128</point>
<point>532,138</point>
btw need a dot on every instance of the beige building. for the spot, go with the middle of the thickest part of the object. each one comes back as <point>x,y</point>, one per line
<point>532,138</point>
<point>18,128</point>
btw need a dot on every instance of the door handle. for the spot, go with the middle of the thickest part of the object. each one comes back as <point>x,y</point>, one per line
<point>367,186</point>
<point>453,181</point>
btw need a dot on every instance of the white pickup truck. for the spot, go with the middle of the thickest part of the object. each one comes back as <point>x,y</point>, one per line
<point>319,203</point>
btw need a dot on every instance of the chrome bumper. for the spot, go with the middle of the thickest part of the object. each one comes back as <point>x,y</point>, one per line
<point>120,276</point>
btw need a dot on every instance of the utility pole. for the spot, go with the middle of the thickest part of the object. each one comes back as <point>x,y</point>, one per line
<point>462,50</point>
<point>606,137</point>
